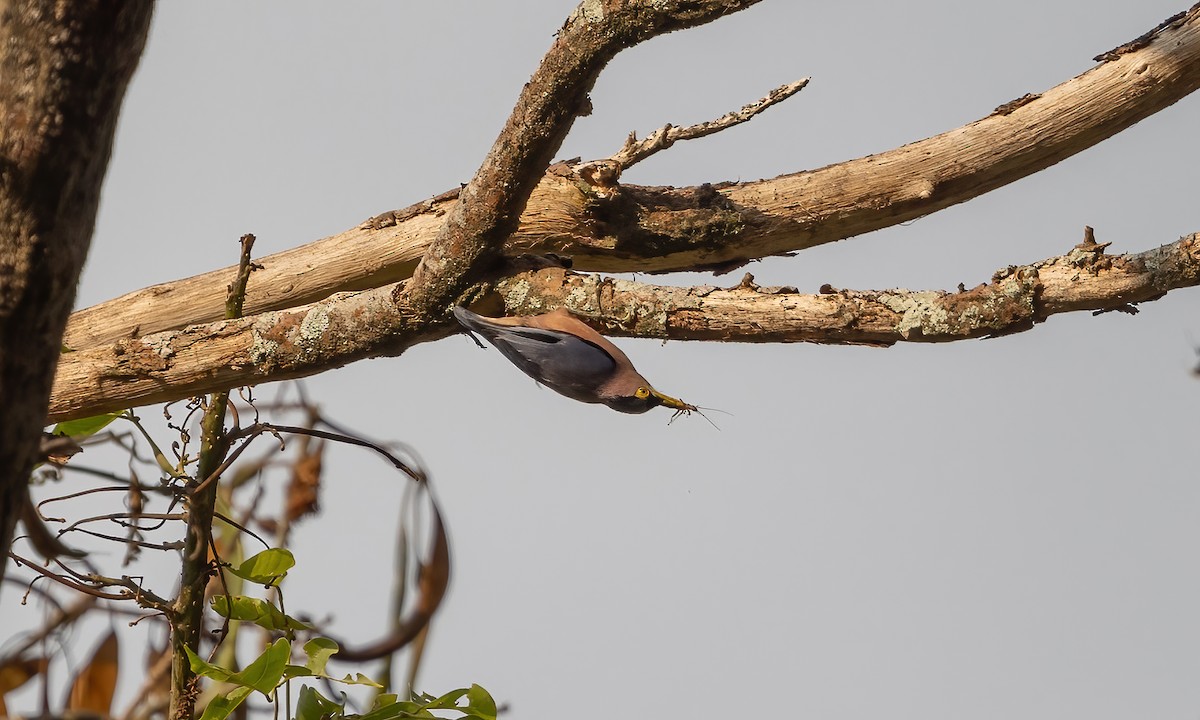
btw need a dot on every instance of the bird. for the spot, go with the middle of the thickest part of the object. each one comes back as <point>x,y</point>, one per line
<point>561,352</point>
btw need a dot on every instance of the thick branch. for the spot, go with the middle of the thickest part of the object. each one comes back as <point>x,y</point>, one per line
<point>203,358</point>
<point>304,341</point>
<point>660,230</point>
<point>489,207</point>
<point>1015,300</point>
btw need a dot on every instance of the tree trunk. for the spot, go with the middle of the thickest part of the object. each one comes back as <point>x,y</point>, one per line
<point>64,68</point>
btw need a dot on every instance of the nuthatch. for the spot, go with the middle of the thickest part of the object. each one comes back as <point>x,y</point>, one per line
<point>562,353</point>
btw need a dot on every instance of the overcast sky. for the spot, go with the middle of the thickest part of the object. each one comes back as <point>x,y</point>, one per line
<point>986,529</point>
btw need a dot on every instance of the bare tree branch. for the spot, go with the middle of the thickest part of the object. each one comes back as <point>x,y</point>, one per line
<point>661,230</point>
<point>1015,300</point>
<point>304,341</point>
<point>490,206</point>
<point>201,358</point>
<point>635,151</point>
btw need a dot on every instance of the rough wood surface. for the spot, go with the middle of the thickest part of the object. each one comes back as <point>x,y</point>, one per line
<point>64,68</point>
<point>489,208</point>
<point>303,341</point>
<point>1015,299</point>
<point>710,226</point>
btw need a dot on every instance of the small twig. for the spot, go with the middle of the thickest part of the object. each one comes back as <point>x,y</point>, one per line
<point>234,523</point>
<point>220,566</point>
<point>249,432</point>
<point>121,519</point>
<point>64,581</point>
<point>146,544</point>
<point>30,589</point>
<point>236,296</point>
<point>302,491</point>
<point>412,471</point>
<point>634,150</point>
<point>144,597</point>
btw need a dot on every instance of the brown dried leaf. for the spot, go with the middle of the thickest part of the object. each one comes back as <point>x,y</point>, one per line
<point>15,672</point>
<point>303,492</point>
<point>96,683</point>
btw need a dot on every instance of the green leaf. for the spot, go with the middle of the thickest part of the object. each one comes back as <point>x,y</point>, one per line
<point>260,612</point>
<point>266,568</point>
<point>298,671</point>
<point>480,706</point>
<point>312,705</point>
<point>267,669</point>
<point>384,699</point>
<point>358,679</point>
<point>449,700</point>
<point>221,706</point>
<point>319,650</point>
<point>481,703</point>
<point>202,667</point>
<point>401,710</point>
<point>84,427</point>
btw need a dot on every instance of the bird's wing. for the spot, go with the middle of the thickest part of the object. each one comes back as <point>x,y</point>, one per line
<point>554,358</point>
<point>559,360</point>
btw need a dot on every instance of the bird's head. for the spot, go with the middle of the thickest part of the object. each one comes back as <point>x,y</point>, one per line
<point>644,398</point>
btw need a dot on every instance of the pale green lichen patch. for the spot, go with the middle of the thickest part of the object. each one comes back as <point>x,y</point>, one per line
<point>646,319</point>
<point>519,296</point>
<point>987,310</point>
<point>591,10</point>
<point>313,327</point>
<point>584,295</point>
<point>922,313</point>
<point>516,291</point>
<point>262,348</point>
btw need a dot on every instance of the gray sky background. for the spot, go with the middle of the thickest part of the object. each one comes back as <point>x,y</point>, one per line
<point>987,529</point>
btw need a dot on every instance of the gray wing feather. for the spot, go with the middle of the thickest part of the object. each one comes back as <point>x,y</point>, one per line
<point>566,363</point>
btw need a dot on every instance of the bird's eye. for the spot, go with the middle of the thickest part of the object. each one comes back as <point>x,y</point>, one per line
<point>642,393</point>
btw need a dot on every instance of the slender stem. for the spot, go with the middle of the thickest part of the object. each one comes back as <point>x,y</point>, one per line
<point>187,616</point>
